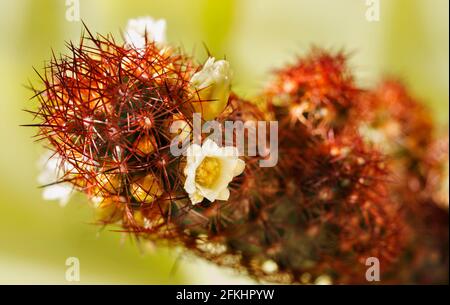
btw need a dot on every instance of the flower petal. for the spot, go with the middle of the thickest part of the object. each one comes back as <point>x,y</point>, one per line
<point>144,29</point>
<point>239,169</point>
<point>224,194</point>
<point>210,148</point>
<point>196,198</point>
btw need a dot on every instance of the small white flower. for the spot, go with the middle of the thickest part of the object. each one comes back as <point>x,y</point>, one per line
<point>209,170</point>
<point>144,29</point>
<point>53,169</point>
<point>213,83</point>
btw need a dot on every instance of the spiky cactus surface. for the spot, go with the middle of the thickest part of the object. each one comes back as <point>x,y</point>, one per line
<point>357,177</point>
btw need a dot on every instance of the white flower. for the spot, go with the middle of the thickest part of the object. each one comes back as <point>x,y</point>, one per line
<point>53,169</point>
<point>209,170</point>
<point>144,29</point>
<point>213,83</point>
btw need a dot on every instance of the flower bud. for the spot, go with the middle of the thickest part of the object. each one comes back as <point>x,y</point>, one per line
<point>143,30</point>
<point>146,189</point>
<point>212,83</point>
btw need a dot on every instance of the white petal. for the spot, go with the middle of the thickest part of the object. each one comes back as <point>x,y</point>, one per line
<point>53,168</point>
<point>208,193</point>
<point>195,198</point>
<point>189,184</point>
<point>61,192</point>
<point>230,151</point>
<point>210,148</point>
<point>239,169</point>
<point>194,152</point>
<point>143,29</point>
<point>224,194</point>
<point>203,78</point>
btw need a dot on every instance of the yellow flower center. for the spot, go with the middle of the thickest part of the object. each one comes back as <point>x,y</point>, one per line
<point>208,172</point>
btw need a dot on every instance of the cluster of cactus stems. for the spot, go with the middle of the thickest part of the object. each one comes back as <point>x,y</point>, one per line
<point>360,171</point>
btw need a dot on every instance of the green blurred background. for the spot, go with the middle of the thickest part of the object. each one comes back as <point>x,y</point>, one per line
<point>410,41</point>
